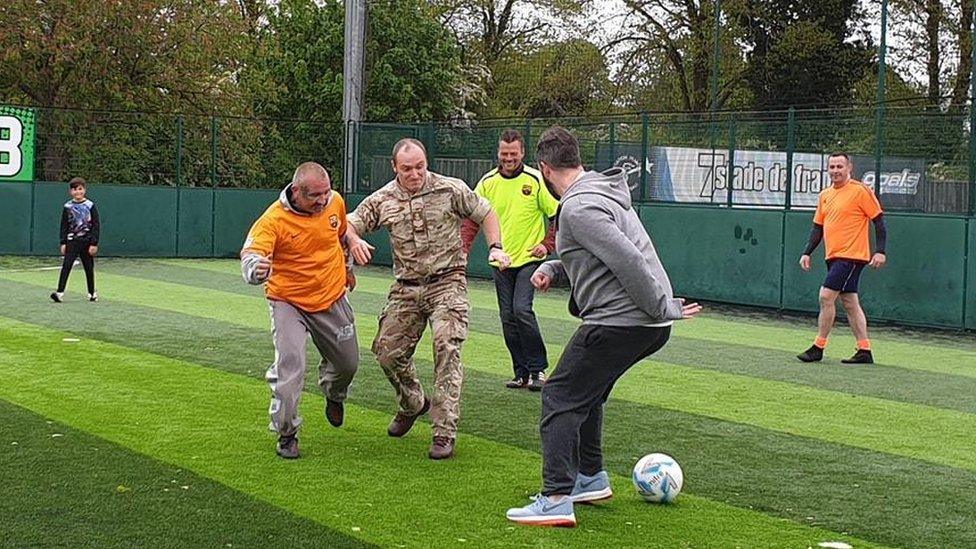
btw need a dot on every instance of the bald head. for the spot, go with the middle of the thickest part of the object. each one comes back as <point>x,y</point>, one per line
<point>311,187</point>
<point>308,172</point>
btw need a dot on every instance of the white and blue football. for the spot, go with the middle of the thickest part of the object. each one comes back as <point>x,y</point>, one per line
<point>658,478</point>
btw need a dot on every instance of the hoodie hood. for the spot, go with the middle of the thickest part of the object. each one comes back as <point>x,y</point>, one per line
<point>611,184</point>
<point>285,198</point>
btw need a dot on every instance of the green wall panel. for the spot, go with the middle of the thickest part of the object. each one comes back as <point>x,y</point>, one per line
<point>235,210</point>
<point>922,282</point>
<point>717,253</point>
<point>49,198</point>
<point>15,218</point>
<point>136,221</point>
<point>971,280</point>
<point>195,221</point>
<point>801,288</point>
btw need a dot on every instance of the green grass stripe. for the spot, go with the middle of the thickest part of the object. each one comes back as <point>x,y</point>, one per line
<point>889,383</point>
<point>921,432</point>
<point>894,347</point>
<point>65,488</point>
<point>209,426</point>
<point>828,485</point>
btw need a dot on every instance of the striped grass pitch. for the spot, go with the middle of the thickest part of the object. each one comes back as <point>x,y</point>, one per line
<point>151,430</point>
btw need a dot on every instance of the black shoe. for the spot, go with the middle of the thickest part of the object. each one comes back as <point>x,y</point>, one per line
<point>334,412</point>
<point>517,383</point>
<point>813,354</point>
<point>536,381</point>
<point>288,447</point>
<point>57,297</point>
<point>862,356</point>
<point>93,296</point>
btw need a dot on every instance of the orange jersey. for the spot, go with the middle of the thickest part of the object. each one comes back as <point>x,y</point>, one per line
<point>845,214</point>
<point>308,267</point>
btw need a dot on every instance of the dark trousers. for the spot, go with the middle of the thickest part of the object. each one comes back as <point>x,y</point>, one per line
<point>519,326</point>
<point>573,398</point>
<point>77,249</point>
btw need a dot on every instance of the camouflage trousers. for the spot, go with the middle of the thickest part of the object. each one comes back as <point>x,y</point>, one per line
<point>409,307</point>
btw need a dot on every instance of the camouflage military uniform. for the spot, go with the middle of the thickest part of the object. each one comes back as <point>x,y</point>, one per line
<point>429,266</point>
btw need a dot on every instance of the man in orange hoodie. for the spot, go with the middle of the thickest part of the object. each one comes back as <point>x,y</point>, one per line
<point>296,248</point>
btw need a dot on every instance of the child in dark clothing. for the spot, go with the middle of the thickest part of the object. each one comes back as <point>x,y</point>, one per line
<point>79,238</point>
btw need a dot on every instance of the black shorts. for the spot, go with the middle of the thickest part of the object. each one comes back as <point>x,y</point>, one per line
<point>843,275</point>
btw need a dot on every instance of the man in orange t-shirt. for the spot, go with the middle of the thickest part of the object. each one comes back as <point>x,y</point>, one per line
<point>296,248</point>
<point>843,212</point>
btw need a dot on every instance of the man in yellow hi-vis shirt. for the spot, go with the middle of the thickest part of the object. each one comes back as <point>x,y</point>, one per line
<point>524,205</point>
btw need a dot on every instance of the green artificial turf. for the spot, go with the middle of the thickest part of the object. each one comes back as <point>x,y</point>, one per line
<point>823,445</point>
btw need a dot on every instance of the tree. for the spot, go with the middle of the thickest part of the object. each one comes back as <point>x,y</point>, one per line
<point>148,55</point>
<point>801,53</point>
<point>678,35</point>
<point>561,79</point>
<point>946,38</point>
<point>491,32</point>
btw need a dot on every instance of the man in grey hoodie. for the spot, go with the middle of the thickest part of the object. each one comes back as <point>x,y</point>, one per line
<point>623,295</point>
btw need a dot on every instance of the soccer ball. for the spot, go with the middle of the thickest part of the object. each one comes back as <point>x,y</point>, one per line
<point>658,478</point>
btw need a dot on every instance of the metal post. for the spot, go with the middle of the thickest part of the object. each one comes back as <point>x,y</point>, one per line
<point>527,140</point>
<point>613,144</point>
<point>352,89</point>
<point>213,150</point>
<point>880,106</point>
<point>730,172</point>
<point>179,150</point>
<point>972,125</point>
<point>645,126</point>
<point>717,55</point>
<point>213,186</point>
<point>179,167</point>
<point>790,147</point>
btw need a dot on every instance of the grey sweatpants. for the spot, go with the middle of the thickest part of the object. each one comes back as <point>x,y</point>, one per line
<point>333,332</point>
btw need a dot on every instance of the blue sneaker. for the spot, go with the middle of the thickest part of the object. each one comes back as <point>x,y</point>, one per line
<point>544,512</point>
<point>589,489</point>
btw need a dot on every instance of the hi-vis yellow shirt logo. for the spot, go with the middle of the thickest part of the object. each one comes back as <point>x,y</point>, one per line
<point>527,190</point>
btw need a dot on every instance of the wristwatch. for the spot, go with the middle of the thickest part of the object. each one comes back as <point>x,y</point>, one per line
<point>495,245</point>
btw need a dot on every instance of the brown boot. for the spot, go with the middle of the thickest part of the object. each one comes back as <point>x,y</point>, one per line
<point>402,423</point>
<point>441,447</point>
<point>334,412</point>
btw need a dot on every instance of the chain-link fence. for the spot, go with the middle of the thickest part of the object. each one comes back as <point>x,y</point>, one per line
<point>758,159</point>
<point>180,150</point>
<point>770,159</point>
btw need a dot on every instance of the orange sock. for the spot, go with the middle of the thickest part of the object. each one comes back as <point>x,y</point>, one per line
<point>864,344</point>
<point>820,342</point>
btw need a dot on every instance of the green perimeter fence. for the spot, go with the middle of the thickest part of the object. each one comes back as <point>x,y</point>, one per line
<point>193,185</point>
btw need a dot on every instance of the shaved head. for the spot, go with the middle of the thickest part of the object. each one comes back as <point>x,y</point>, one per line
<point>307,172</point>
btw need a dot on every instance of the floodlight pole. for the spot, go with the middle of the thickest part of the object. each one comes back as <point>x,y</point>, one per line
<point>352,89</point>
<point>880,107</point>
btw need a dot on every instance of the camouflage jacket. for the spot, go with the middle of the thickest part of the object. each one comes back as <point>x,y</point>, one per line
<point>424,227</point>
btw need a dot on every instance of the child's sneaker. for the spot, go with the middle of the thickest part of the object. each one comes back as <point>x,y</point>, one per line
<point>57,297</point>
<point>544,512</point>
<point>93,297</point>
